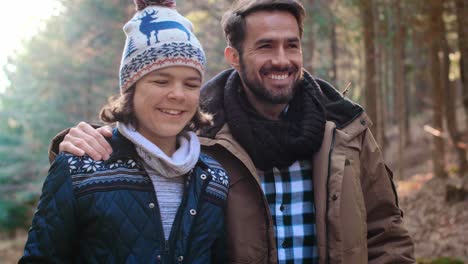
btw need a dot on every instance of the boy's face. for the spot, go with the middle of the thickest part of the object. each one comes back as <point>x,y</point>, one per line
<point>165,101</point>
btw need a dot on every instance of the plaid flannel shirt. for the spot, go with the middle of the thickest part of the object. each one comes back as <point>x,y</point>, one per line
<point>289,192</point>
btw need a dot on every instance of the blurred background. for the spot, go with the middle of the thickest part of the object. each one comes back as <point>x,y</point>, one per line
<point>406,61</point>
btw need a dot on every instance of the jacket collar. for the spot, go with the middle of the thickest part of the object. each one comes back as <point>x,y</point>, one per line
<point>124,148</point>
<point>225,139</point>
<point>121,146</point>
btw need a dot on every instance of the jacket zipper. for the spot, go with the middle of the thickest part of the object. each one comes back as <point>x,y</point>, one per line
<point>161,229</point>
<point>156,206</point>
<point>166,247</point>
<point>175,230</point>
<point>193,177</point>
<point>327,242</point>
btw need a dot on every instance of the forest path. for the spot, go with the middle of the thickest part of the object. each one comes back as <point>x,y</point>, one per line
<point>438,228</point>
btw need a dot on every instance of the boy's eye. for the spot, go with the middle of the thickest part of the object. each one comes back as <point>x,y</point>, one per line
<point>192,85</point>
<point>160,82</point>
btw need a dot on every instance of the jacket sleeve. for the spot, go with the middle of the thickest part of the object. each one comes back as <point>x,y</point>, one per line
<point>388,240</point>
<point>52,235</point>
<point>218,250</point>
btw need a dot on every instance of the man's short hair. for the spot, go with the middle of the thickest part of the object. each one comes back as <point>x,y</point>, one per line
<point>233,20</point>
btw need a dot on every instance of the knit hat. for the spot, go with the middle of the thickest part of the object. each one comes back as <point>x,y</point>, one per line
<point>158,37</point>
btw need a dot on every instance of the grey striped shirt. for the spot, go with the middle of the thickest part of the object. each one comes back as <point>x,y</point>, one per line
<point>169,192</point>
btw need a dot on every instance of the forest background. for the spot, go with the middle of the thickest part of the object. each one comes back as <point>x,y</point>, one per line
<point>406,61</point>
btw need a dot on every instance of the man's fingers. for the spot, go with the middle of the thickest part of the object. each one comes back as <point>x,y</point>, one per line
<point>70,148</point>
<point>84,139</point>
<point>94,138</point>
<point>105,131</point>
<point>88,143</point>
<point>89,140</point>
<point>79,146</point>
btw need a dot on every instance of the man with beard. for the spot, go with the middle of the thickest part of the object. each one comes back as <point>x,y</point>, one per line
<point>308,182</point>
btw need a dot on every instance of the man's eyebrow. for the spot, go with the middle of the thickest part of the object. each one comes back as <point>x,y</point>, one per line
<point>263,41</point>
<point>269,40</point>
<point>294,39</point>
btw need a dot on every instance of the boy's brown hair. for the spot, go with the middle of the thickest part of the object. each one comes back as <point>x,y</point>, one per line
<point>120,108</point>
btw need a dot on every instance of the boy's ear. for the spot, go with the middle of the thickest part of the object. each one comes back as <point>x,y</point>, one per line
<point>232,57</point>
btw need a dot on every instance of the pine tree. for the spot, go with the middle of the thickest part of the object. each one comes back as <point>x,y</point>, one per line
<point>64,75</point>
<point>130,48</point>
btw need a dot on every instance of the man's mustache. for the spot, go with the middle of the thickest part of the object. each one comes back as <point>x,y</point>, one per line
<point>288,69</point>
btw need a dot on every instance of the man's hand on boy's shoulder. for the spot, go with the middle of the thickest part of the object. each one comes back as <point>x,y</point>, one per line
<point>85,139</point>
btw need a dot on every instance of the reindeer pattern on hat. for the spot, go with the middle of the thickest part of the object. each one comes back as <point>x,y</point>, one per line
<point>142,4</point>
<point>149,25</point>
<point>158,36</point>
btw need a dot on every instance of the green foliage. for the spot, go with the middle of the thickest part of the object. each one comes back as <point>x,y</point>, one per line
<point>63,75</point>
<point>12,216</point>
<point>443,260</point>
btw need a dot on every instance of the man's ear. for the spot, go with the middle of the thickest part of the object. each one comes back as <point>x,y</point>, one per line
<point>232,57</point>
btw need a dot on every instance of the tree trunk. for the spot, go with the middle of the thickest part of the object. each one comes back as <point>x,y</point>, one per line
<point>435,31</point>
<point>422,77</point>
<point>450,115</point>
<point>450,106</point>
<point>398,80</point>
<point>333,42</point>
<point>462,18</point>
<point>309,45</point>
<point>386,98</point>
<point>334,50</point>
<point>370,79</point>
<point>404,80</point>
<point>380,76</point>
<point>390,91</point>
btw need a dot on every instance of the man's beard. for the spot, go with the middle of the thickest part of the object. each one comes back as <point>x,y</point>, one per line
<point>261,92</point>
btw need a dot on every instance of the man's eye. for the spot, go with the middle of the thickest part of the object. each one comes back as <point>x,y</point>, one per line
<point>293,46</point>
<point>264,46</point>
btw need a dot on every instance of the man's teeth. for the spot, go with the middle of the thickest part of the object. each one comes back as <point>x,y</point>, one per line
<point>171,112</point>
<point>278,76</point>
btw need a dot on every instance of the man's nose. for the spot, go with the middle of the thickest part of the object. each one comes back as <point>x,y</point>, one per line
<point>280,58</point>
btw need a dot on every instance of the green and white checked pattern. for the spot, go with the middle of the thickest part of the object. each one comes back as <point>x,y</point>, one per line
<point>290,195</point>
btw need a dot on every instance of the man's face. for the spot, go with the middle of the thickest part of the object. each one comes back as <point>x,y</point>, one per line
<point>271,57</point>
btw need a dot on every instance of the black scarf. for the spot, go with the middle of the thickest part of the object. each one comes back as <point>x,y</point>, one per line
<point>276,143</point>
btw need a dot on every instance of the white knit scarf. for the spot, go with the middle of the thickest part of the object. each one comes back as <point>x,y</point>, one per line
<point>181,162</point>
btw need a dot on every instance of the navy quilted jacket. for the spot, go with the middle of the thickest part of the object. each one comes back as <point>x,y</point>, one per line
<point>107,212</point>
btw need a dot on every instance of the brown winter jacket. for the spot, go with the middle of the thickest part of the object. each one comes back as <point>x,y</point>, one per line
<point>357,214</point>
<point>358,219</point>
